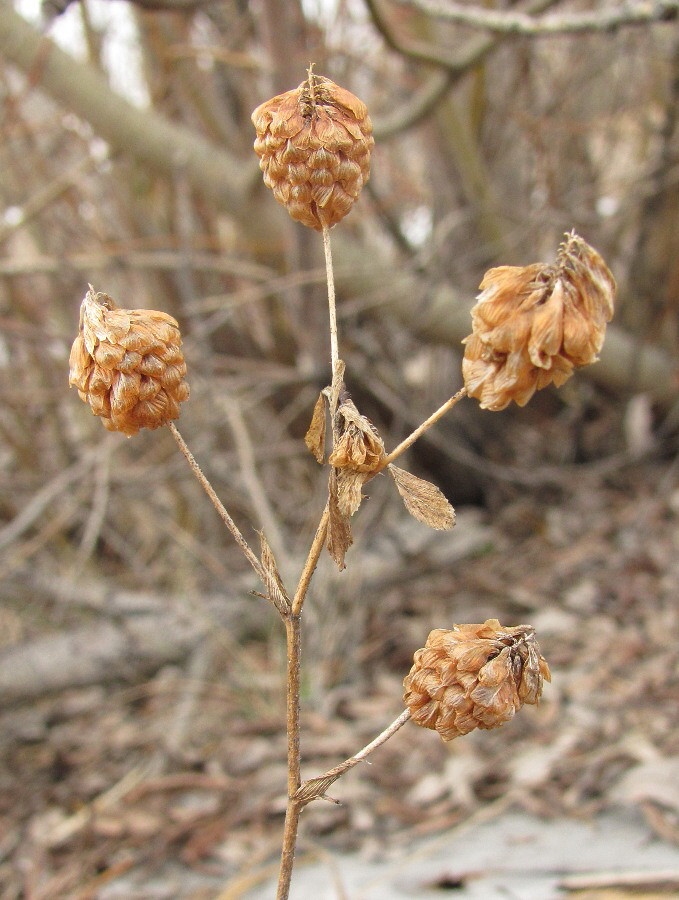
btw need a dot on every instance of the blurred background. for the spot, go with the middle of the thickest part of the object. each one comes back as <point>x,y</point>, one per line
<point>142,746</point>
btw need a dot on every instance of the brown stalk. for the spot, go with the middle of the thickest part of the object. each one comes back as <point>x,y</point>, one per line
<point>316,787</point>
<point>420,430</point>
<point>217,503</point>
<point>334,349</point>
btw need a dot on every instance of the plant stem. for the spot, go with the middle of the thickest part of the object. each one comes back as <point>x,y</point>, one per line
<point>420,430</point>
<point>294,655</point>
<point>217,503</point>
<point>316,787</point>
<point>334,347</point>
<point>293,624</point>
<point>311,563</point>
<point>293,643</point>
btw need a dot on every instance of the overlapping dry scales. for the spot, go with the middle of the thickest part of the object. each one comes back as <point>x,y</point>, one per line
<point>357,455</point>
<point>127,364</point>
<point>314,145</point>
<point>474,676</point>
<point>533,325</point>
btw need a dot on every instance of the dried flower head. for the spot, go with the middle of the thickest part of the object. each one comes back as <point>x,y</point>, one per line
<point>357,455</point>
<point>314,145</point>
<point>533,325</point>
<point>128,364</point>
<point>474,676</point>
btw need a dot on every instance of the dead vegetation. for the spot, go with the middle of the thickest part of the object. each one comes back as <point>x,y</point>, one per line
<point>142,739</point>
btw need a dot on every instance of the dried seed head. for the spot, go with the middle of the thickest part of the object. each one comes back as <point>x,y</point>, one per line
<point>474,676</point>
<point>314,145</point>
<point>533,325</point>
<point>128,364</point>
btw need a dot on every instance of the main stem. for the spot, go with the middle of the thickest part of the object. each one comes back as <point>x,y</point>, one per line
<point>420,430</point>
<point>294,808</point>
<point>293,632</point>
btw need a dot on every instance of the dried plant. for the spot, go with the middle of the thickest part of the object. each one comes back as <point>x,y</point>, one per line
<point>314,146</point>
<point>534,324</point>
<point>531,326</point>
<point>474,676</point>
<point>128,364</point>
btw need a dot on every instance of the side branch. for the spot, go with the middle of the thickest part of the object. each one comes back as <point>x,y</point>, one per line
<point>316,787</point>
<point>512,22</point>
<point>420,430</point>
<point>217,503</point>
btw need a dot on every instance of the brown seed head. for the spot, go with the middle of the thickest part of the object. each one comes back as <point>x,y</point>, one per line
<point>314,145</point>
<point>128,364</point>
<point>474,676</point>
<point>533,325</point>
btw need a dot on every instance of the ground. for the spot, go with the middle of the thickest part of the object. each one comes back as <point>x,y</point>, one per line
<point>173,786</point>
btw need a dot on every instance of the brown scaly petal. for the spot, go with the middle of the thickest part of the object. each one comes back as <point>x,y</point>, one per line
<point>128,365</point>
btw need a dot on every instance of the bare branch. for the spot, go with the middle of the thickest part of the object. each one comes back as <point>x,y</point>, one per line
<point>511,22</point>
<point>427,52</point>
<point>143,133</point>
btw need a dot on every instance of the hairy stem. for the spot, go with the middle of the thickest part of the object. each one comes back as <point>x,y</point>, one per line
<point>288,852</point>
<point>217,503</point>
<point>293,642</point>
<point>293,618</point>
<point>420,430</point>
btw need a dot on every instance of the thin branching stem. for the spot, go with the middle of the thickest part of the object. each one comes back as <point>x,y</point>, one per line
<point>316,787</point>
<point>334,346</point>
<point>311,562</point>
<point>293,627</point>
<point>217,503</point>
<point>420,430</point>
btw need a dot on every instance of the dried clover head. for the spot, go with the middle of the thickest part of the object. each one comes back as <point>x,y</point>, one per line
<point>314,145</point>
<point>128,365</point>
<point>533,325</point>
<point>474,676</point>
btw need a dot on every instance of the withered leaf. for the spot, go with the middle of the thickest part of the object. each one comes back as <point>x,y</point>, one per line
<point>337,386</point>
<point>423,500</point>
<point>349,486</point>
<point>274,583</point>
<point>315,436</point>
<point>339,529</point>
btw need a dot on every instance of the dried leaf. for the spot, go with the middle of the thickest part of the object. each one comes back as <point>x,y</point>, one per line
<point>423,500</point>
<point>337,386</point>
<point>274,582</point>
<point>339,529</point>
<point>315,436</point>
<point>349,494</point>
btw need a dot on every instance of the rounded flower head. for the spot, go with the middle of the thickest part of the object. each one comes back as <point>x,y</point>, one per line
<point>314,145</point>
<point>127,364</point>
<point>474,676</point>
<point>533,325</point>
